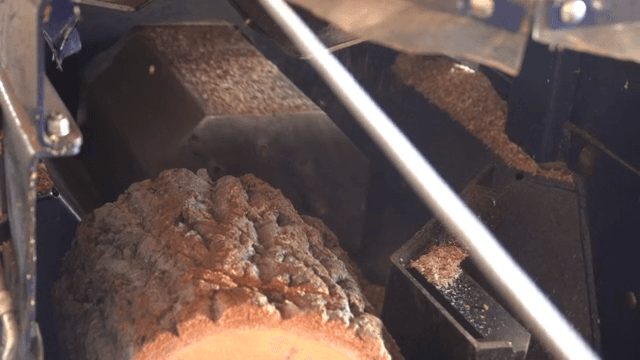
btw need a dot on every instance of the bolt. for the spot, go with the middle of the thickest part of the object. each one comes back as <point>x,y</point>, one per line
<point>597,5</point>
<point>573,11</point>
<point>482,8</point>
<point>631,300</point>
<point>58,125</point>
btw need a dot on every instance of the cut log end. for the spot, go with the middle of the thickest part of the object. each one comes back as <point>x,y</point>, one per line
<point>241,338</point>
<point>185,268</point>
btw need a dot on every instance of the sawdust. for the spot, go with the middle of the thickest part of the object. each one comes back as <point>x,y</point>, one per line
<point>469,98</point>
<point>44,184</point>
<point>441,264</point>
<point>225,71</point>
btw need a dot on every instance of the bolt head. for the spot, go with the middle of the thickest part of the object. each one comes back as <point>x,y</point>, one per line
<point>573,11</point>
<point>597,5</point>
<point>58,125</point>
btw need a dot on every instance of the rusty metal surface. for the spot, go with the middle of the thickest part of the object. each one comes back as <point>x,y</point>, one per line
<point>409,27</point>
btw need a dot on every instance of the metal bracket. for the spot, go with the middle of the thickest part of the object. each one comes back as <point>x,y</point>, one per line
<point>59,30</point>
<point>609,32</point>
<point>26,96</point>
<point>504,14</point>
<point>580,13</point>
<point>22,149</point>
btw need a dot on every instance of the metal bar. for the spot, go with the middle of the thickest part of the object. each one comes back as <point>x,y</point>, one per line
<point>8,322</point>
<point>595,142</point>
<point>540,315</point>
<point>20,148</point>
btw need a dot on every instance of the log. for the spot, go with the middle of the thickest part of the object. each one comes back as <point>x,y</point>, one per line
<point>187,268</point>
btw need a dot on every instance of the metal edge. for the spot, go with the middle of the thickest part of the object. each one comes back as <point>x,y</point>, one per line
<point>22,149</point>
<point>414,246</point>
<point>398,260</point>
<point>21,146</point>
<point>112,6</point>
<point>587,247</point>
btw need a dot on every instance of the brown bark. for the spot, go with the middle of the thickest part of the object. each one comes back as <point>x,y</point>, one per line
<point>185,268</point>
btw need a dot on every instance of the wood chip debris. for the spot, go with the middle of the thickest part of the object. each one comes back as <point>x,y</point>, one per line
<point>469,98</point>
<point>44,184</point>
<point>225,71</point>
<point>441,264</point>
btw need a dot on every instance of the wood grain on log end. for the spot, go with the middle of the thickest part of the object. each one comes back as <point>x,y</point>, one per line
<point>183,267</point>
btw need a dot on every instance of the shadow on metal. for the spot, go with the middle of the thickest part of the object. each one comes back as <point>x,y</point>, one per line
<point>542,223</point>
<point>55,228</point>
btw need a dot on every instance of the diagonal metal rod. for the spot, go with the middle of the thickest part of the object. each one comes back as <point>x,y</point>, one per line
<point>595,142</point>
<point>539,314</point>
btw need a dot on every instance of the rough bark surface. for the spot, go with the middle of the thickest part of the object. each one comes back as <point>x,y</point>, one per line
<point>183,258</point>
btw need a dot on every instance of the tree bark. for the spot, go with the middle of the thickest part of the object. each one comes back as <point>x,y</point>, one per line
<point>185,268</point>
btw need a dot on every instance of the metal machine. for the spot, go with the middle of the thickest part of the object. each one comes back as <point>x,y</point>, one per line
<point>565,268</point>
